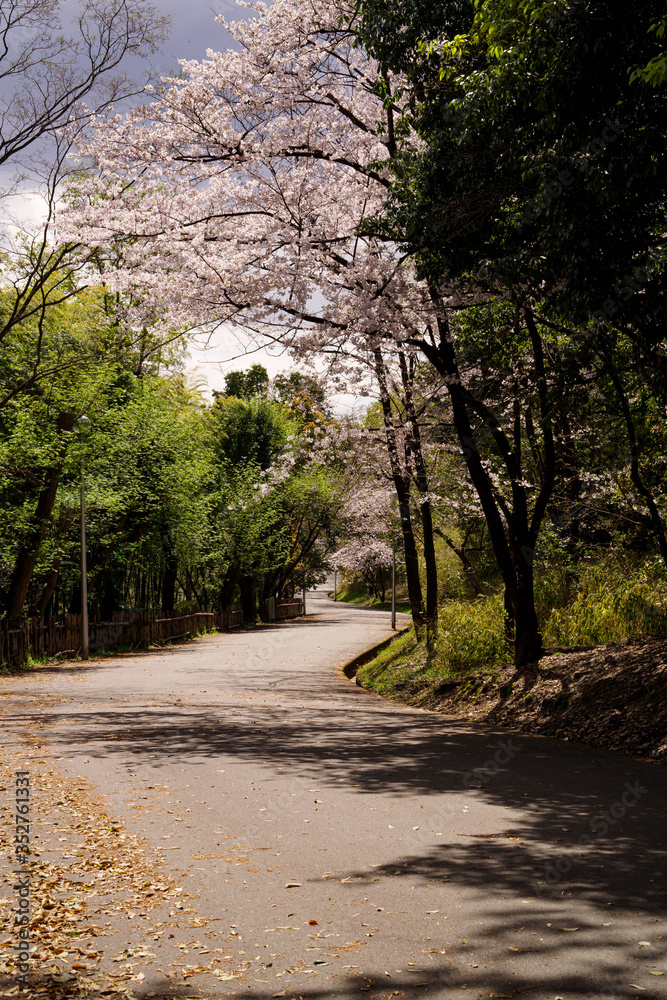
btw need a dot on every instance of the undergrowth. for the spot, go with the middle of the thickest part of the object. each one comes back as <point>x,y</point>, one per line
<point>356,593</point>
<point>610,601</point>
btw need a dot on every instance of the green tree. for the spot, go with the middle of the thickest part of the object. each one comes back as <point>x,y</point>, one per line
<point>245,385</point>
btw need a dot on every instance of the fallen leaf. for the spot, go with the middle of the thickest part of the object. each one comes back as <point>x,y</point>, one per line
<point>292,885</point>
<point>636,986</point>
<point>651,972</point>
<point>313,923</point>
<point>569,928</point>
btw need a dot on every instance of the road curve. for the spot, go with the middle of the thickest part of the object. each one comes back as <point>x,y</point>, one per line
<point>427,856</point>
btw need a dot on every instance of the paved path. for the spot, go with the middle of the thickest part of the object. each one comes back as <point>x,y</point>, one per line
<point>438,858</point>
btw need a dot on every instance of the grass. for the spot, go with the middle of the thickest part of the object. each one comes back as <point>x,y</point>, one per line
<point>614,601</point>
<point>356,593</point>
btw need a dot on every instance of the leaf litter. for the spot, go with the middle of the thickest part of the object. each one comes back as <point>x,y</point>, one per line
<point>85,867</point>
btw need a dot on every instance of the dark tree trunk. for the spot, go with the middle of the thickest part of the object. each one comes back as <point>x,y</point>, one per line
<point>402,487</point>
<point>45,595</point>
<point>169,583</point>
<point>26,557</point>
<point>425,509</point>
<point>635,475</point>
<point>382,584</point>
<point>109,593</point>
<point>42,600</point>
<point>248,598</point>
<point>513,540</point>
<point>508,618</point>
<point>228,589</point>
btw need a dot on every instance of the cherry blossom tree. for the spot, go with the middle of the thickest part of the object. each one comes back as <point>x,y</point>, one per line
<point>246,193</point>
<point>247,207</point>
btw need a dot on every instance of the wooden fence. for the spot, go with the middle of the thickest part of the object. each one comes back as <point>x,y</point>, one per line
<point>39,638</point>
<point>275,610</point>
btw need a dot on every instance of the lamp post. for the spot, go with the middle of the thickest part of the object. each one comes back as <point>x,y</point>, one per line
<point>393,587</point>
<point>335,583</point>
<point>83,423</point>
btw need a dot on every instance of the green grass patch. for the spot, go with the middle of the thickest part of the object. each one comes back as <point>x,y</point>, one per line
<point>612,602</point>
<point>470,647</point>
<point>357,594</point>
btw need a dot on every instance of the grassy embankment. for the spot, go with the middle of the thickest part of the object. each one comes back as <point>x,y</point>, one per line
<point>611,602</point>
<point>356,593</point>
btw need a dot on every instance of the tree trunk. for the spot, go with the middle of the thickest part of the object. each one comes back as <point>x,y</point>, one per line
<point>26,557</point>
<point>635,475</point>
<point>468,570</point>
<point>425,509</point>
<point>41,602</point>
<point>248,598</point>
<point>402,487</point>
<point>228,588</point>
<point>169,582</point>
<point>514,542</point>
<point>528,647</point>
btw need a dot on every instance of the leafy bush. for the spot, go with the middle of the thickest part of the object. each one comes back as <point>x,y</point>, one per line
<point>471,635</point>
<point>611,601</point>
<point>614,601</point>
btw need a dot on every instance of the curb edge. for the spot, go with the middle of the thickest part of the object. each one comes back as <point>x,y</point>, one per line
<point>349,669</point>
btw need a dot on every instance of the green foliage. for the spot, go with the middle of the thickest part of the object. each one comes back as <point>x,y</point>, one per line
<point>542,163</point>
<point>304,398</point>
<point>613,603</point>
<point>654,73</point>
<point>245,385</point>
<point>250,430</point>
<point>471,636</point>
<point>184,501</point>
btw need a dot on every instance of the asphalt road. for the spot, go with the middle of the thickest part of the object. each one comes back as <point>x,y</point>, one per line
<point>438,858</point>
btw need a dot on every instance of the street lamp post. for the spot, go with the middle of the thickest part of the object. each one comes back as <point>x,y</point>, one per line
<point>83,424</point>
<point>393,587</point>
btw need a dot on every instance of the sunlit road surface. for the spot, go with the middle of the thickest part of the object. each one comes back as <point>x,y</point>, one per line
<point>339,845</point>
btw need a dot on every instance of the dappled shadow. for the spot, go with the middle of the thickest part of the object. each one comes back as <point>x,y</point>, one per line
<point>544,854</point>
<point>579,821</point>
<point>443,977</point>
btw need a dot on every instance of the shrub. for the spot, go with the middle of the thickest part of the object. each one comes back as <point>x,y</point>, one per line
<point>471,635</point>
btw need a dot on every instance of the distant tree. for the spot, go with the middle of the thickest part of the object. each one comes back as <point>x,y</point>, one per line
<point>251,430</point>
<point>245,385</point>
<point>304,397</point>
